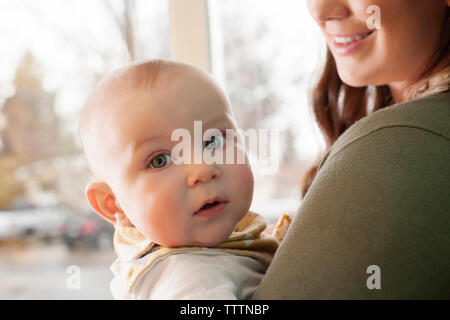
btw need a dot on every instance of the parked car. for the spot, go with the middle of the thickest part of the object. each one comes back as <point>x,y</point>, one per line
<point>48,224</point>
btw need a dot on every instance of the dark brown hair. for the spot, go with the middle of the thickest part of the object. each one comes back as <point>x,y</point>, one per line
<point>337,106</point>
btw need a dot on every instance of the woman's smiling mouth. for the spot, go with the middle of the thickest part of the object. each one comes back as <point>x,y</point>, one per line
<point>346,44</point>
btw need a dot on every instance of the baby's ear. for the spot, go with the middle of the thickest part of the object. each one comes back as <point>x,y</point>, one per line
<point>102,200</point>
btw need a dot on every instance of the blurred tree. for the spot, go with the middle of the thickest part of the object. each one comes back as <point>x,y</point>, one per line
<point>251,84</point>
<point>10,188</point>
<point>31,129</point>
<point>248,76</point>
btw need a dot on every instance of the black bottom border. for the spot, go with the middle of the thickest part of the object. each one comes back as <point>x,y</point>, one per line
<point>222,309</point>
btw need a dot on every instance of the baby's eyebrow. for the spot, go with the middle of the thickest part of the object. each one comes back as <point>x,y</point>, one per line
<point>218,120</point>
<point>135,146</point>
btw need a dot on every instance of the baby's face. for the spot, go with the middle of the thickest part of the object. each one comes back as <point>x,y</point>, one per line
<point>163,199</point>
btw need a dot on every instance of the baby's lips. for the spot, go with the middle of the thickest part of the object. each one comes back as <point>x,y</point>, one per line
<point>211,200</point>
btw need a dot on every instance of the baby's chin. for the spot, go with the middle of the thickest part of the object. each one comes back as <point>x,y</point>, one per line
<point>211,240</point>
<point>205,236</point>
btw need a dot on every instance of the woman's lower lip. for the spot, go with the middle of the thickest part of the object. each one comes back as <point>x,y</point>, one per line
<point>349,48</point>
<point>211,211</point>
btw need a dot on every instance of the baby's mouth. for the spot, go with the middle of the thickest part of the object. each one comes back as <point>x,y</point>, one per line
<point>210,205</point>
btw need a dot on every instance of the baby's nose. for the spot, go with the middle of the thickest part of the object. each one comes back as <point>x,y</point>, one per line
<point>201,173</point>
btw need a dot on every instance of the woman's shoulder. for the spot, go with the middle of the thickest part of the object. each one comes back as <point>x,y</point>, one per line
<point>430,113</point>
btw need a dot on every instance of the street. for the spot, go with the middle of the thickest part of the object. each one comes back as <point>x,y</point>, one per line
<point>42,272</point>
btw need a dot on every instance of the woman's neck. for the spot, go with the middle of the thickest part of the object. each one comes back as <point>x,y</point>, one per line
<point>403,90</point>
<point>398,91</point>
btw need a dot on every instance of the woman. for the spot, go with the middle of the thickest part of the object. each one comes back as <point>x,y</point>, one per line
<point>375,222</point>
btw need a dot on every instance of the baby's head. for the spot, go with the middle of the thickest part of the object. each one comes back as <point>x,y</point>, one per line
<point>125,129</point>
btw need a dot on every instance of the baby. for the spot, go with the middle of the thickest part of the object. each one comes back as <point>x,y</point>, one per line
<point>182,230</point>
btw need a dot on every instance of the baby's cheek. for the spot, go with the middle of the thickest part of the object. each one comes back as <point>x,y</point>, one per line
<point>245,176</point>
<point>240,182</point>
<point>166,203</point>
<point>162,214</point>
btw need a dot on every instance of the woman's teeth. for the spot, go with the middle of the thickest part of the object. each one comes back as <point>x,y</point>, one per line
<point>346,40</point>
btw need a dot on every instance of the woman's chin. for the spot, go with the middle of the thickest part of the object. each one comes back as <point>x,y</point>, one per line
<point>354,81</point>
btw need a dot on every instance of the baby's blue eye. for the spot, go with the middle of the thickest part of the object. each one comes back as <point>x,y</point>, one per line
<point>215,142</point>
<point>161,160</point>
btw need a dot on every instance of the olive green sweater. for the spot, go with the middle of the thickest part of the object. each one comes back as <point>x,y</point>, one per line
<point>381,197</point>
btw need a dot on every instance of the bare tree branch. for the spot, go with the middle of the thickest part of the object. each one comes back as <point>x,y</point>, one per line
<point>125,24</point>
